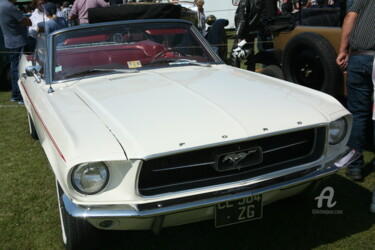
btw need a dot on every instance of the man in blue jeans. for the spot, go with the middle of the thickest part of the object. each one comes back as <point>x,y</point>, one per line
<point>357,50</point>
<point>13,24</point>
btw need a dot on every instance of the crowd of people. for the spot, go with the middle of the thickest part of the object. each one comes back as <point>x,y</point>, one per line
<point>73,14</point>
<point>21,26</point>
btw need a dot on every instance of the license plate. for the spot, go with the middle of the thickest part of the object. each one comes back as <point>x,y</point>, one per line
<point>237,211</point>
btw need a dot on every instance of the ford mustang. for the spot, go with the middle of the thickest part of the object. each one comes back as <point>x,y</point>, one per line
<point>145,127</point>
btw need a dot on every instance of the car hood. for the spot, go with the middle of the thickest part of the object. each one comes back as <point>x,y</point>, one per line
<point>166,110</point>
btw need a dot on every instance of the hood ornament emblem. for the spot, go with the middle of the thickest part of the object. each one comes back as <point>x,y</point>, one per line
<point>239,159</point>
<point>235,158</point>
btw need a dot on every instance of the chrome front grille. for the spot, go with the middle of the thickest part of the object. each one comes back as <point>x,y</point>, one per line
<point>197,168</point>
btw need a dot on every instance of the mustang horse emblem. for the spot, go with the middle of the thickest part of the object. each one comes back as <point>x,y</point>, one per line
<point>235,158</point>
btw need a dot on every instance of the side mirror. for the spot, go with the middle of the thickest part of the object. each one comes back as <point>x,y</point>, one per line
<point>34,71</point>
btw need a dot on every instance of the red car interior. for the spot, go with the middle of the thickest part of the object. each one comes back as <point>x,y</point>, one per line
<point>72,58</point>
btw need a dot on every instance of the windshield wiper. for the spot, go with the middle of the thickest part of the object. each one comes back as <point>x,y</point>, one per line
<point>189,62</point>
<point>162,60</point>
<point>174,61</point>
<point>102,70</point>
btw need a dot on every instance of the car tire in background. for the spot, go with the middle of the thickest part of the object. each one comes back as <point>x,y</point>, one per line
<point>5,81</point>
<point>310,60</point>
<point>274,71</point>
<point>77,233</point>
<point>32,129</point>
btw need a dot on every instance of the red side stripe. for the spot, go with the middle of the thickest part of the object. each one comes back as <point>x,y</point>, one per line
<point>44,126</point>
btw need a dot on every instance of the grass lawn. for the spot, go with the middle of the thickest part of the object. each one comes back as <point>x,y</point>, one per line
<point>29,216</point>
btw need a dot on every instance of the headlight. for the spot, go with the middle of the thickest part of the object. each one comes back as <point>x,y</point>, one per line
<point>90,178</point>
<point>337,131</point>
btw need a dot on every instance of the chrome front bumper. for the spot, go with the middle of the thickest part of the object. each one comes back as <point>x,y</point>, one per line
<point>200,207</point>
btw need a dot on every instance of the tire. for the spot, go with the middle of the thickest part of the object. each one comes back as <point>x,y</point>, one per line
<point>32,129</point>
<point>5,78</point>
<point>76,233</point>
<point>274,71</point>
<point>310,60</point>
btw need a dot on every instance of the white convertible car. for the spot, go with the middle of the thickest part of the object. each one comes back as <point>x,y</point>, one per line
<point>145,127</point>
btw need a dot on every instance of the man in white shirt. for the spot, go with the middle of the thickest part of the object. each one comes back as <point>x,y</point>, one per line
<point>38,16</point>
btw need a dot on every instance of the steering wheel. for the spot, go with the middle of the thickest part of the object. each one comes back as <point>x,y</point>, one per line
<point>132,34</point>
<point>118,38</point>
<point>166,51</point>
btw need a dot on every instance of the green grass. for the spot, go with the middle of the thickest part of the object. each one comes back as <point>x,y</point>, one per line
<point>29,216</point>
<point>28,206</point>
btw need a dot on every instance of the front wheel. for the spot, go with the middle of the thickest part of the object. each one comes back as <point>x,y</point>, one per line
<point>32,129</point>
<point>76,233</point>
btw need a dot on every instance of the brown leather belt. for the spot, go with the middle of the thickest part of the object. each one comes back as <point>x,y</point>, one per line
<point>363,52</point>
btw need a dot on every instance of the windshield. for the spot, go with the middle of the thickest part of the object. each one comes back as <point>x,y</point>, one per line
<point>127,46</point>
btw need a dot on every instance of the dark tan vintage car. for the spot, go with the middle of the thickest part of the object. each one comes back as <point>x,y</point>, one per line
<point>306,44</point>
<point>309,51</point>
